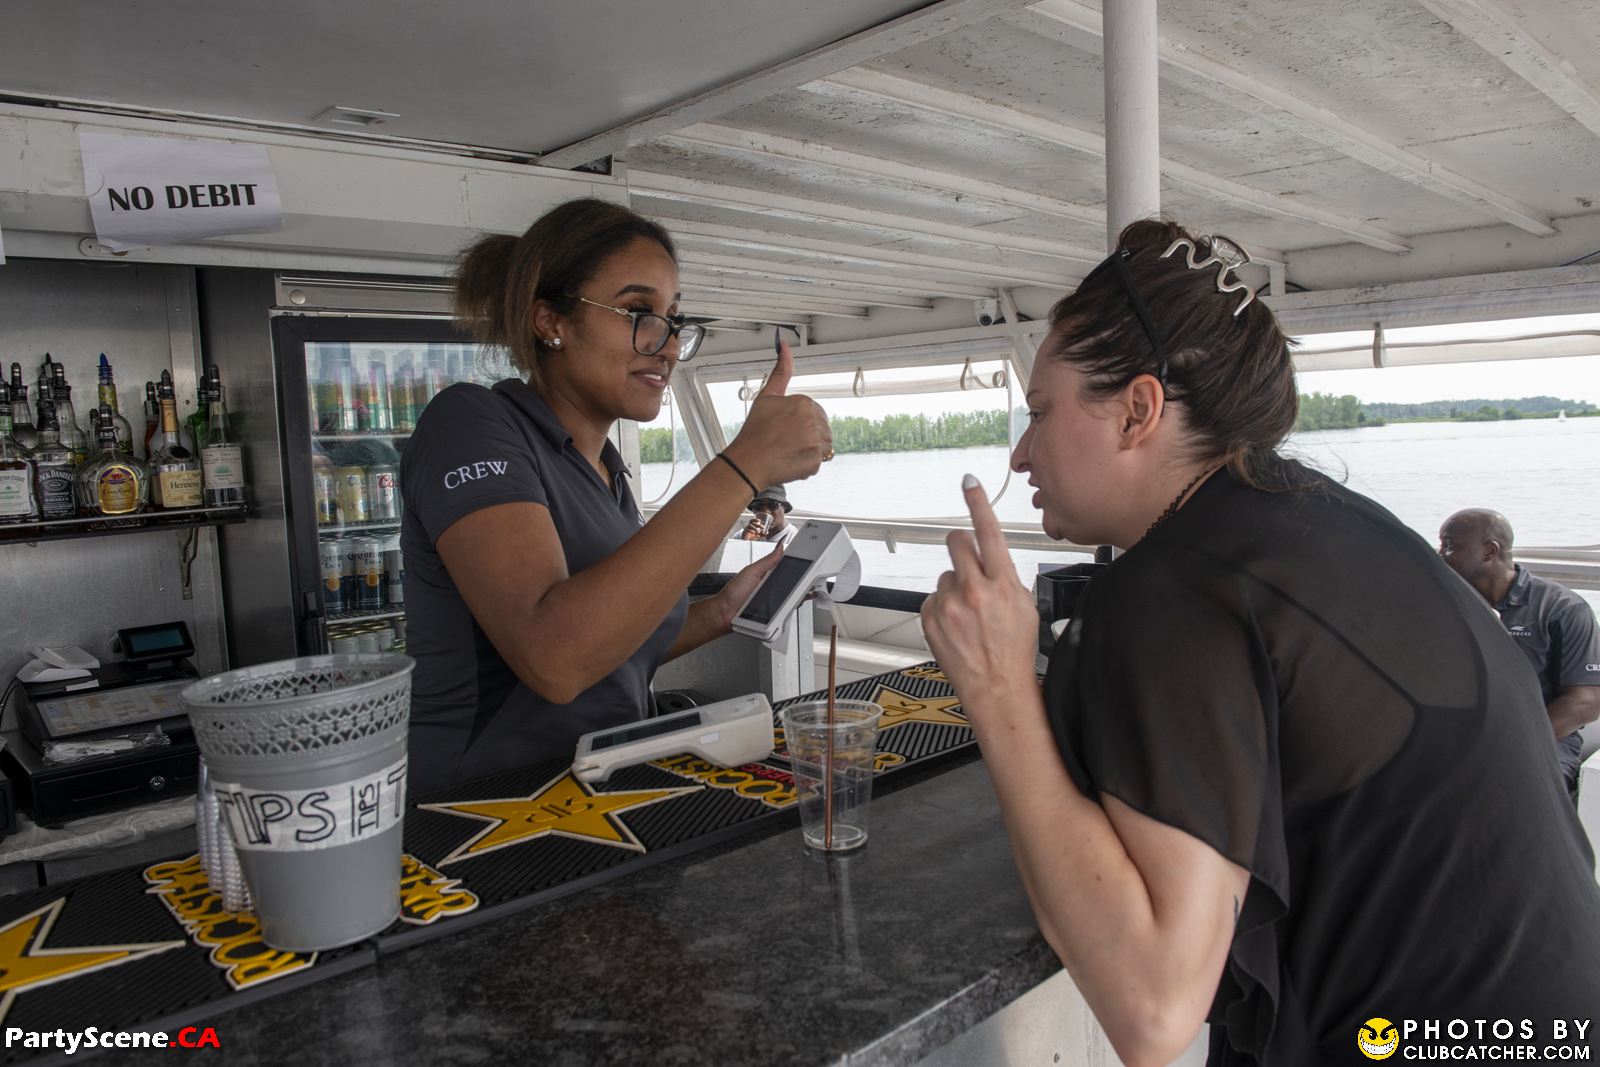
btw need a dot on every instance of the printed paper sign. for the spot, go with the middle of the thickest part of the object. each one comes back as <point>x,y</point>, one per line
<point>301,820</point>
<point>146,191</point>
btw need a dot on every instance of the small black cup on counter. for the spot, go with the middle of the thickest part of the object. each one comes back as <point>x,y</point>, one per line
<point>1057,593</point>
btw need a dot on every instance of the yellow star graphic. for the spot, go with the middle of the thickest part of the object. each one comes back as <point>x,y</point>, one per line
<point>26,964</point>
<point>564,807</point>
<point>900,708</point>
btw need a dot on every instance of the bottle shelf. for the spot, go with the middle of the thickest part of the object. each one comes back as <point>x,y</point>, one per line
<point>343,618</point>
<point>362,436</point>
<point>66,529</point>
<point>356,529</point>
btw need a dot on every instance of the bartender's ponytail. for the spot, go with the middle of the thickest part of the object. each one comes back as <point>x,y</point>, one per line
<point>500,278</point>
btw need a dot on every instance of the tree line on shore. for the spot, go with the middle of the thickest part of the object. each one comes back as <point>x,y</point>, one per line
<point>1318,411</point>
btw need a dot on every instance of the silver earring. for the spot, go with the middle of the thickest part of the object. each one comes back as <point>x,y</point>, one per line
<point>554,342</point>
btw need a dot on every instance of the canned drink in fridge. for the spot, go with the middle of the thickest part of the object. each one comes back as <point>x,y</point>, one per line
<point>354,504</point>
<point>394,574</point>
<point>383,493</point>
<point>332,554</point>
<point>347,413</point>
<point>385,639</point>
<point>325,490</point>
<point>399,628</point>
<point>380,417</point>
<point>344,645</point>
<point>366,553</point>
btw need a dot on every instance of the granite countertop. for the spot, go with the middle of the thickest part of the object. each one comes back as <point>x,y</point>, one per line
<point>754,952</point>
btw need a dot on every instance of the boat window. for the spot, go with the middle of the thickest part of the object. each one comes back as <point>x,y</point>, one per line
<point>903,436</point>
<point>666,460</point>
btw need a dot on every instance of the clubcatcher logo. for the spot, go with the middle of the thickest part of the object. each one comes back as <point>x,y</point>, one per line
<point>1378,1039</point>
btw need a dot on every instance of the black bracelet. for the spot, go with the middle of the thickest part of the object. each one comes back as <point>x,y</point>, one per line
<point>754,492</point>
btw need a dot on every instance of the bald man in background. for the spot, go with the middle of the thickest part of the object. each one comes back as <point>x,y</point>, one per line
<point>1553,626</point>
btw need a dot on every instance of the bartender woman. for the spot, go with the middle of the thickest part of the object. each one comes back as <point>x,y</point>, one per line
<point>540,602</point>
<point>1286,774</point>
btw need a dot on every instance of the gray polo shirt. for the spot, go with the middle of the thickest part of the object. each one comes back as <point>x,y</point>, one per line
<point>470,715</point>
<point>1556,631</point>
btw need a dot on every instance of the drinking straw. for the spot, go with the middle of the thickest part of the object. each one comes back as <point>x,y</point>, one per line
<point>827,765</point>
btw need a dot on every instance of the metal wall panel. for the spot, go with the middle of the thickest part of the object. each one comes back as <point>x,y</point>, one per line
<point>80,592</point>
<point>236,327</point>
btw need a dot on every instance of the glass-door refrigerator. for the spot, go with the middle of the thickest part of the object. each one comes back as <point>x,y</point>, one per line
<point>350,391</point>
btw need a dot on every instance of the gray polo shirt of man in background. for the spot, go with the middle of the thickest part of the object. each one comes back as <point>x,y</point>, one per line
<point>1556,630</point>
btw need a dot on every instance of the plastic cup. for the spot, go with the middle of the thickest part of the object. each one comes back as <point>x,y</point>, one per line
<point>855,742</point>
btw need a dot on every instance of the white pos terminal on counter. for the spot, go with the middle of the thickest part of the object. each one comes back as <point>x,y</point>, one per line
<point>730,733</point>
<point>821,550</point>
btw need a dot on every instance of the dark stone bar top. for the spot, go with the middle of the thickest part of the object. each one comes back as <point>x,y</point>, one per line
<point>753,952</point>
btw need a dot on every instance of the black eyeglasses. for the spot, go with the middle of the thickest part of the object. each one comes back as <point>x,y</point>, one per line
<point>651,332</point>
<point>1117,262</point>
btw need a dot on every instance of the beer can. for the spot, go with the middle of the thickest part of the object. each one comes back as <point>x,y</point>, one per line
<point>399,628</point>
<point>347,412</point>
<point>394,575</point>
<point>344,645</point>
<point>383,493</point>
<point>385,639</point>
<point>325,491</point>
<point>332,554</point>
<point>354,504</point>
<point>366,553</point>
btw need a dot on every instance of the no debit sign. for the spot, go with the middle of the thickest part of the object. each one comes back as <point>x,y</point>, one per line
<point>147,191</point>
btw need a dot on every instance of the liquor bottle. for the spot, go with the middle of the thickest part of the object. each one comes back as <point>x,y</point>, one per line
<point>152,414</point>
<point>52,463</point>
<point>197,418</point>
<point>108,399</point>
<point>17,500</point>
<point>72,434</point>
<point>222,461</point>
<point>22,427</point>
<point>111,483</point>
<point>175,480</point>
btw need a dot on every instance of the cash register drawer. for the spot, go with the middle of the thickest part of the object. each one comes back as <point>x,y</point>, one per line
<point>53,794</point>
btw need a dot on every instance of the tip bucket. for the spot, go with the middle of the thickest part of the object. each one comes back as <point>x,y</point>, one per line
<point>307,758</point>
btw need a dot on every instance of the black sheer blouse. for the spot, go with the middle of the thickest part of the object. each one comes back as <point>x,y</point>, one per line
<point>1299,681</point>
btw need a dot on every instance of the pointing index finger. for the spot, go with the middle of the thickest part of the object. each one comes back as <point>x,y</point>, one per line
<point>991,539</point>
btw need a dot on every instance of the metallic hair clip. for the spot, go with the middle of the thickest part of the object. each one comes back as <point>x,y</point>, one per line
<point>1238,285</point>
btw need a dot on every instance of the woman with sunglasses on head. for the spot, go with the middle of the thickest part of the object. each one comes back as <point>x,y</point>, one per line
<point>540,601</point>
<point>1285,774</point>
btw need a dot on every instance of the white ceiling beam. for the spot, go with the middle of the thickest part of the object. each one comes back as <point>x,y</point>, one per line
<point>1505,36</point>
<point>766,240</point>
<point>695,191</point>
<point>850,292</point>
<point>754,142</point>
<point>762,312</point>
<point>904,92</point>
<point>756,315</point>
<point>1295,107</point>
<point>911,285</point>
<point>933,20</point>
<point>712,294</point>
<point>718,286</point>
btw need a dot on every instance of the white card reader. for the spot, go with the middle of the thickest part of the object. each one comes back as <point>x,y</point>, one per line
<point>821,550</point>
<point>729,733</point>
